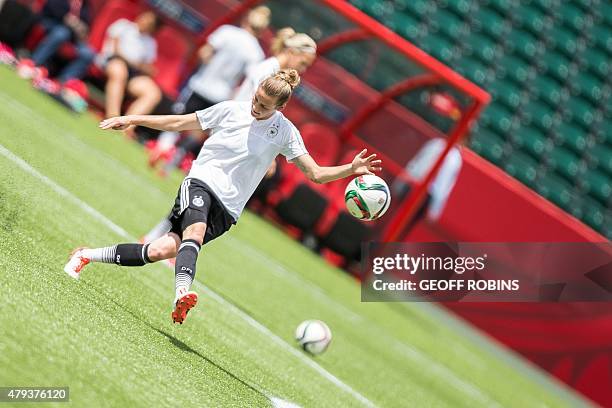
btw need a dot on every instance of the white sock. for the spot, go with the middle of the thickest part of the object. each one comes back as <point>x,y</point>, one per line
<point>106,255</point>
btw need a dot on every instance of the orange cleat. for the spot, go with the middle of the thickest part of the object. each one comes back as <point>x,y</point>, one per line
<point>182,306</point>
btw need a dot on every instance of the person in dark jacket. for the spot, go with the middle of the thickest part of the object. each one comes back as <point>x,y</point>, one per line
<point>66,21</point>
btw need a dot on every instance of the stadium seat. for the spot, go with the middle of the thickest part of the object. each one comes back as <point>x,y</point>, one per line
<point>497,118</point>
<point>539,114</point>
<point>489,22</point>
<point>588,86</point>
<point>522,167</point>
<point>489,145</point>
<point>580,111</point>
<point>599,36</point>
<point>551,91</point>
<point>522,43</point>
<point>572,16</point>
<point>531,140</point>
<point>515,68</point>
<point>503,7</point>
<point>531,18</point>
<point>555,189</point>
<point>597,184</point>
<point>556,64</point>
<point>447,23</point>
<point>596,61</point>
<point>592,212</point>
<point>506,92</point>
<point>482,46</point>
<point>564,40</point>
<point>564,162</point>
<point>571,136</point>
<point>438,46</point>
<point>461,8</point>
<point>404,24</point>
<point>474,70</point>
<point>602,156</point>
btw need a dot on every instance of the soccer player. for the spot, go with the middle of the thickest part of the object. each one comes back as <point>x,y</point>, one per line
<point>245,138</point>
<point>291,50</point>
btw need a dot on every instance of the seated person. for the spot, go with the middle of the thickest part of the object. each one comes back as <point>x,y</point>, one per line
<point>127,58</point>
<point>64,21</point>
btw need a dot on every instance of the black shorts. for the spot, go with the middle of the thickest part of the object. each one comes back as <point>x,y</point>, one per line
<point>189,102</point>
<point>132,72</point>
<point>195,202</point>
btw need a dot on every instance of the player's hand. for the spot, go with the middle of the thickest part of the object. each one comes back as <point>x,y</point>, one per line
<point>116,123</point>
<point>365,165</point>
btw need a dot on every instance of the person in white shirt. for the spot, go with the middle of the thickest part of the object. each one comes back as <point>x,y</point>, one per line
<point>127,58</point>
<point>224,58</point>
<point>245,138</point>
<point>443,183</point>
<point>290,50</point>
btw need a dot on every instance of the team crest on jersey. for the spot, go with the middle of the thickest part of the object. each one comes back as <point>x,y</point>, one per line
<point>272,131</point>
<point>197,201</point>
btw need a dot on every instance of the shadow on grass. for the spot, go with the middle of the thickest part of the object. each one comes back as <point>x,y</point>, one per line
<point>182,345</point>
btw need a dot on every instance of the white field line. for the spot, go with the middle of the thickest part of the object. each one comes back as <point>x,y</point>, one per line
<point>277,268</point>
<point>120,231</point>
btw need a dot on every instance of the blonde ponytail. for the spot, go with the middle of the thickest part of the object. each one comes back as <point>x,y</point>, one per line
<point>281,85</point>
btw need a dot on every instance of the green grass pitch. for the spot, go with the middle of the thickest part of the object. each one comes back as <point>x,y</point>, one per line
<point>110,338</point>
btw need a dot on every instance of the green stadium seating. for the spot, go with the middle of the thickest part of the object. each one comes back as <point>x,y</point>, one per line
<point>482,46</point>
<point>593,213</point>
<point>550,91</point>
<point>588,86</point>
<point>580,111</point>
<point>506,92</point>
<point>564,162</point>
<point>497,118</point>
<point>548,67</point>
<point>522,167</point>
<point>523,43</point>
<point>573,16</point>
<point>602,157</point>
<point>530,140</point>
<point>555,189</point>
<point>599,36</point>
<point>515,68</point>
<point>539,114</point>
<point>563,40</point>
<point>448,23</point>
<point>597,184</point>
<point>489,145</point>
<point>531,18</point>
<point>571,136</point>
<point>596,61</point>
<point>556,64</point>
<point>489,22</point>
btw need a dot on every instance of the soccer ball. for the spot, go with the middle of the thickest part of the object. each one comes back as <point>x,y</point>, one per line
<point>313,336</point>
<point>367,197</point>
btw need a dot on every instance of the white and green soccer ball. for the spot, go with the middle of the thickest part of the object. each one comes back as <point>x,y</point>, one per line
<point>367,197</point>
<point>313,336</point>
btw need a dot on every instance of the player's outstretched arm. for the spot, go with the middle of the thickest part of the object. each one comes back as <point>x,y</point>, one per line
<point>360,165</point>
<point>161,122</point>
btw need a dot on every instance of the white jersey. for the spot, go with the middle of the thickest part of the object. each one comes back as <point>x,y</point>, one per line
<point>254,76</point>
<point>235,50</point>
<point>132,45</point>
<point>236,156</point>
